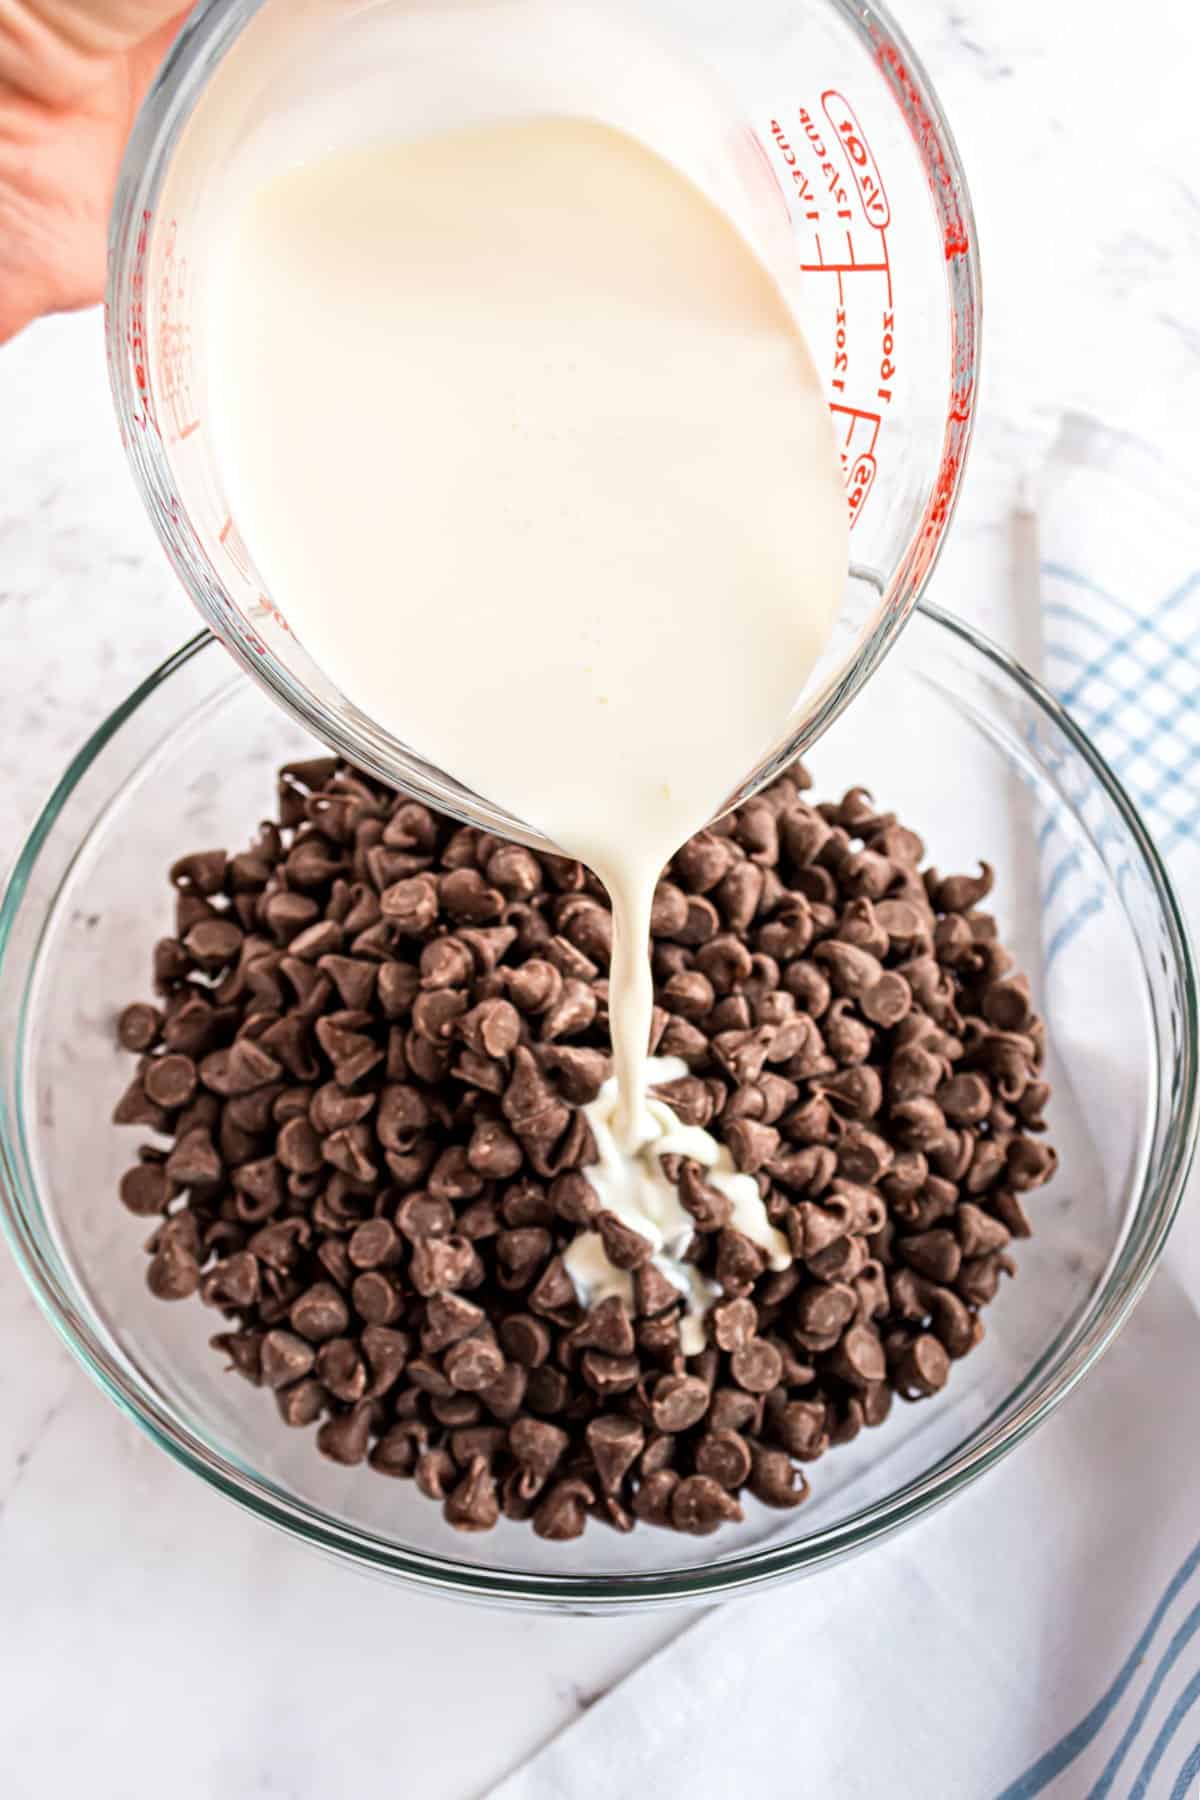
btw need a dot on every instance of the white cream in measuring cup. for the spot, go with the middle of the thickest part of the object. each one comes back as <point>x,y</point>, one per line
<point>521,431</point>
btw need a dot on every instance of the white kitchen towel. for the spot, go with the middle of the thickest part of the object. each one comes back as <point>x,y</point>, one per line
<point>1041,1636</point>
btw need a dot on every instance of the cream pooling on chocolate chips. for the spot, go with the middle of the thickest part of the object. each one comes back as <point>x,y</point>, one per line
<point>525,439</point>
<point>630,1183</point>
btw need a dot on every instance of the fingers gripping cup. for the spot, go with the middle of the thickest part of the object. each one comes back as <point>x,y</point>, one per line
<point>811,128</point>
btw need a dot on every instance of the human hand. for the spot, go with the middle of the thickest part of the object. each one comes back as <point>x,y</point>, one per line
<point>72,75</point>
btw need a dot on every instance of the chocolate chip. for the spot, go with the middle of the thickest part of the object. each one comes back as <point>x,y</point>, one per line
<point>438,1015</point>
<point>711,1209</point>
<point>652,1501</point>
<point>344,1437</point>
<point>299,1148</point>
<point>921,1368</point>
<point>472,1363</point>
<point>350,1051</point>
<point>802,1428</point>
<point>562,1515</point>
<point>724,1456</point>
<point>658,1454</point>
<point>213,943</point>
<point>580,1072</point>
<point>774,1479</point>
<point>376,1298</point>
<point>285,1358</point>
<point>752,1145</point>
<point>739,1263</point>
<point>690,994</point>
<point>505,1396</point>
<point>679,1402</point>
<point>625,1247</point>
<point>320,1313</point>
<point>859,1357</point>
<point>1029,1164</point>
<point>136,1108</point>
<point>493,1152</point>
<point>395,1453</point>
<point>700,865</point>
<point>653,1292</point>
<point>572,1013</point>
<point>341,1369</point>
<point>536,987</point>
<point>239,1070</point>
<point>959,893</point>
<point>440,1264</point>
<point>934,1253</point>
<point>474,1504</point>
<point>616,1443</point>
<point>822,1310</point>
<point>1008,1210</point>
<point>331,1253</point>
<point>538,1446</point>
<point>516,872</point>
<point>374,1245</point>
<point>139,1027</point>
<point>203,872</point>
<point>756,1366</point>
<point>243,1350</point>
<point>699,1505</point>
<point>147,1189</point>
<point>732,1409</point>
<point>659,1340</point>
<point>609,1374</point>
<point>734,1323</point>
<point>448,1319</point>
<point>232,1283</point>
<point>525,1339</point>
<point>554,1295</point>
<point>174,1272</point>
<point>978,1233</point>
<point>280,1245</point>
<point>521,1254</point>
<point>607,1327</point>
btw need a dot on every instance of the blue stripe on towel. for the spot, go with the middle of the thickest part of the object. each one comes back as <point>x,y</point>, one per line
<point>1167,1661</point>
<point>1067,866</point>
<point>1161,1744</point>
<point>1141,626</point>
<point>1145,720</point>
<point>1187,1775</point>
<point>1053,1761</point>
<point>1073,578</point>
<point>1072,926</point>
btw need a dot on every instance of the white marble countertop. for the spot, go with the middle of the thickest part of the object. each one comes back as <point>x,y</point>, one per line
<point>155,1638</point>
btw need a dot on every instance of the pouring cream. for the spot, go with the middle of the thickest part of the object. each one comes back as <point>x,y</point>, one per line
<point>526,442</point>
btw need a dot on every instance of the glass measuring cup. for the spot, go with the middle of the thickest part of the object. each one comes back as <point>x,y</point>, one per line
<point>814,124</point>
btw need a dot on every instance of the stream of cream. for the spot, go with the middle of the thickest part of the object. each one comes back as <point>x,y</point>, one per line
<point>525,440</point>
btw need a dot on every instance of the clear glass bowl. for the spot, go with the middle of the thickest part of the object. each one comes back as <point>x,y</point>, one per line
<point>969,750</point>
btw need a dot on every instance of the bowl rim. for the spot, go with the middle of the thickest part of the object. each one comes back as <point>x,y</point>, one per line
<point>602,1592</point>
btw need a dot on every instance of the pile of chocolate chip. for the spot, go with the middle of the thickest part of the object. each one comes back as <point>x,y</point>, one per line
<point>374,1036</point>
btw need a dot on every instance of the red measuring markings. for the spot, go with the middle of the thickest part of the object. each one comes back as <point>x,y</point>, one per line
<point>864,170</point>
<point>943,185</point>
<point>841,212</point>
<point>174,360</point>
<point>262,606</point>
<point>135,330</point>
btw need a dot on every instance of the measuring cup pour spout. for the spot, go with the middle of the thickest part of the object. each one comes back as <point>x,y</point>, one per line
<point>814,128</point>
